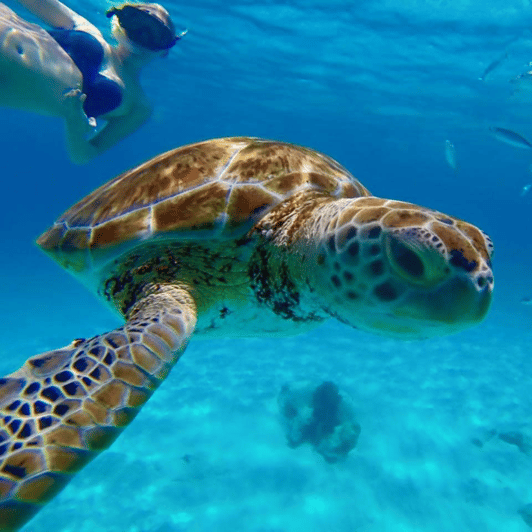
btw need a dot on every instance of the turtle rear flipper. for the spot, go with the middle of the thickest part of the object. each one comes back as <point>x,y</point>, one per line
<point>64,407</point>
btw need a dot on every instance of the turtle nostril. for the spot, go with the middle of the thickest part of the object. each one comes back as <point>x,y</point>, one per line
<point>484,280</point>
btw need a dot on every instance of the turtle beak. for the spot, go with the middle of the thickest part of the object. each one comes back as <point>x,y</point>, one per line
<point>456,304</point>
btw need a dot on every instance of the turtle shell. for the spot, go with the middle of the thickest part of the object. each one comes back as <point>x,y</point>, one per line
<point>216,189</point>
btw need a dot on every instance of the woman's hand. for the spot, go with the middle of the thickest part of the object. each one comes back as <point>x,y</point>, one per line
<point>79,127</point>
<point>74,112</point>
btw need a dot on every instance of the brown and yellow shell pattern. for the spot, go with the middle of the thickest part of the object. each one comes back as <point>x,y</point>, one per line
<point>213,189</point>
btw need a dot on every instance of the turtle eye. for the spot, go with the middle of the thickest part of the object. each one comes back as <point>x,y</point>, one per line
<point>406,260</point>
<point>414,261</point>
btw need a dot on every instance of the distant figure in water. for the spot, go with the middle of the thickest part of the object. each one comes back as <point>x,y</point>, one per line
<point>320,415</point>
<point>325,404</point>
<point>72,72</point>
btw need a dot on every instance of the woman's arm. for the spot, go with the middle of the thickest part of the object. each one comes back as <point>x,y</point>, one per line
<point>56,14</point>
<point>82,149</point>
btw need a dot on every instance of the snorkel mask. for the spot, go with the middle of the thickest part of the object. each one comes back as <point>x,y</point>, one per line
<point>146,25</point>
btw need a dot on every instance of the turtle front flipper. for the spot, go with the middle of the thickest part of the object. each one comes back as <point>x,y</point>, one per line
<point>64,407</point>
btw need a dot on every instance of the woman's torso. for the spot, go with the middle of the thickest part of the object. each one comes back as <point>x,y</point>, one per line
<point>103,84</point>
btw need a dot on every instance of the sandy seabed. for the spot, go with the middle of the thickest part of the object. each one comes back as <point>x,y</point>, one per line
<point>208,452</point>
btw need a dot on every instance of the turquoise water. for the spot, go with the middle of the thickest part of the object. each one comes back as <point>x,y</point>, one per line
<point>379,85</point>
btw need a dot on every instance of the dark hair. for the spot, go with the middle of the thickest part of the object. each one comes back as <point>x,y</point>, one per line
<point>147,25</point>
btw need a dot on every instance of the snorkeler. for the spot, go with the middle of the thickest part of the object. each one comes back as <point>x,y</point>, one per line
<point>72,72</point>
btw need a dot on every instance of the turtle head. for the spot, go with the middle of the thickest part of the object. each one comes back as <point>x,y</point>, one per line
<point>401,270</point>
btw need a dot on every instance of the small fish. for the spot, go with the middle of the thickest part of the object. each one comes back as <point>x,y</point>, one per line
<point>525,76</point>
<point>450,155</point>
<point>525,189</point>
<point>510,137</point>
<point>526,301</point>
<point>493,65</point>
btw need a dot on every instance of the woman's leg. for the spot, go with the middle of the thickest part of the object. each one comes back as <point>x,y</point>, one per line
<point>35,72</point>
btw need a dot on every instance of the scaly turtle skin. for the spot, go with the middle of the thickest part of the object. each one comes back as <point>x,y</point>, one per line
<point>234,236</point>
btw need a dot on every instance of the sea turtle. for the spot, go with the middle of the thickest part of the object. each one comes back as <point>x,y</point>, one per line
<point>234,236</point>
